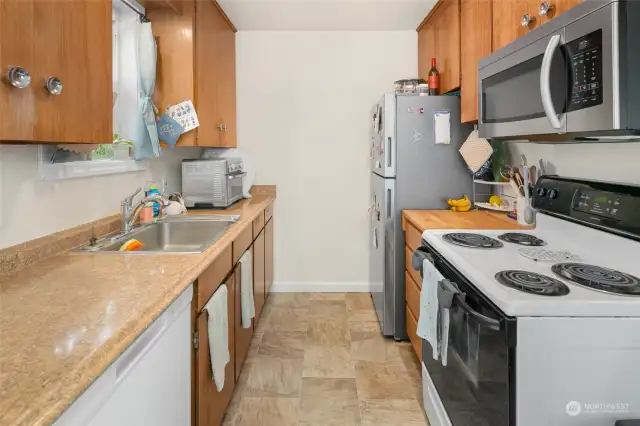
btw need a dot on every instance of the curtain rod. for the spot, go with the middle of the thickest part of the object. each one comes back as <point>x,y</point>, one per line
<point>136,7</point>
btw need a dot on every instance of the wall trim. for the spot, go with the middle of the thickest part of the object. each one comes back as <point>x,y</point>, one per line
<point>321,287</point>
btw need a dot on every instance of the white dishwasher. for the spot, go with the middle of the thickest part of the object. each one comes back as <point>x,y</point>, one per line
<point>150,383</point>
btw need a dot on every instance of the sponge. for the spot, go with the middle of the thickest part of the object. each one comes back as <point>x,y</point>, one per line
<point>131,245</point>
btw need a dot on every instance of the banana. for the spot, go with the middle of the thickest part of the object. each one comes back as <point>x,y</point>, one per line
<point>462,202</point>
<point>464,209</point>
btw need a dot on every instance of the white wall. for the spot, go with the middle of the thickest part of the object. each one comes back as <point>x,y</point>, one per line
<point>304,116</point>
<point>30,208</point>
<point>616,162</point>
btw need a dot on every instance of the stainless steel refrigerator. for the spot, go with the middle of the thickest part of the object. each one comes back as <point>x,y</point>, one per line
<point>412,167</point>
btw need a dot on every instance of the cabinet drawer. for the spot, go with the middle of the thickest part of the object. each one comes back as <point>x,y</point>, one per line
<point>258,224</point>
<point>268,213</point>
<point>213,276</point>
<point>242,243</point>
<point>412,326</point>
<point>412,272</point>
<point>412,237</point>
<point>412,295</point>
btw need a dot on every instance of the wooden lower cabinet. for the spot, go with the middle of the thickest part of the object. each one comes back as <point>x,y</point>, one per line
<point>259,295</point>
<point>268,257</point>
<point>242,335</point>
<point>211,405</point>
<point>412,327</point>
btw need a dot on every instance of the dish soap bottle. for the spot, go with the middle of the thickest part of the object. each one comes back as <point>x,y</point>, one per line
<point>151,191</point>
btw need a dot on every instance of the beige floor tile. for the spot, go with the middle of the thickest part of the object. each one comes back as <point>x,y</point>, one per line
<point>328,332</point>
<point>382,381</point>
<point>323,388</point>
<point>359,302</point>
<point>371,345</point>
<point>267,412</point>
<point>359,325</point>
<point>410,359</point>
<point>326,412</point>
<point>392,413</point>
<point>362,315</point>
<point>327,361</point>
<point>327,308</point>
<point>287,319</point>
<point>328,296</point>
<point>273,377</point>
<point>282,344</point>
<point>291,300</point>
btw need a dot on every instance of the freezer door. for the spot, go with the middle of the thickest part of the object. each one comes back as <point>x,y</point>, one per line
<point>381,246</point>
<point>382,155</point>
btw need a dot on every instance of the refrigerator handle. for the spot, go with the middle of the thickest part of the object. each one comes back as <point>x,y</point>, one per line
<point>389,151</point>
<point>388,203</point>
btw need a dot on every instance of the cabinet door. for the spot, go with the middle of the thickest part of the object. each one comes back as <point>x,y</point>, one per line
<point>17,106</point>
<point>227,83</point>
<point>440,39</point>
<point>507,19</point>
<point>556,8</point>
<point>268,256</point>
<point>215,74</point>
<point>211,404</point>
<point>259,274</point>
<point>73,43</point>
<point>475,43</point>
<point>242,335</point>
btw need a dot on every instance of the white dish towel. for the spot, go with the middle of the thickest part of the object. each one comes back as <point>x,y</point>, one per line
<point>218,330</point>
<point>247,303</point>
<point>428,318</point>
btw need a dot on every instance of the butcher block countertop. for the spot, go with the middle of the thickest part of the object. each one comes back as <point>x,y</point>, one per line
<point>447,219</point>
<point>65,319</point>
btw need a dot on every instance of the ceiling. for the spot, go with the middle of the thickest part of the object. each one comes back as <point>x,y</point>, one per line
<point>318,15</point>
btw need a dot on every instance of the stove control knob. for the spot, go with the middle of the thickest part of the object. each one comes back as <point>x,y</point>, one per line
<point>541,192</point>
<point>553,194</point>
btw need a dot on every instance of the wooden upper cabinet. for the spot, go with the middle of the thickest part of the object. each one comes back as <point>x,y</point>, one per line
<point>439,37</point>
<point>475,44</point>
<point>507,20</point>
<point>196,61</point>
<point>67,40</point>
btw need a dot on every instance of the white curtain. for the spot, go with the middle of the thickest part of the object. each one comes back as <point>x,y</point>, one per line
<point>148,145</point>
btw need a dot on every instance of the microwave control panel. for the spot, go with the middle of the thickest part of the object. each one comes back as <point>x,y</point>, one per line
<point>585,65</point>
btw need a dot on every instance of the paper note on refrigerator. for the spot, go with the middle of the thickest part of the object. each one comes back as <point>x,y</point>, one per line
<point>442,127</point>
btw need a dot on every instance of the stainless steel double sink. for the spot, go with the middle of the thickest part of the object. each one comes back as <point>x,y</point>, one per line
<point>174,234</point>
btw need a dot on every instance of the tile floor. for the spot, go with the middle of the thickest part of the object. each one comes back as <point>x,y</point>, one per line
<point>318,359</point>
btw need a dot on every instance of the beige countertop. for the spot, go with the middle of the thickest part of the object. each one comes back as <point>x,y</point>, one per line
<point>64,320</point>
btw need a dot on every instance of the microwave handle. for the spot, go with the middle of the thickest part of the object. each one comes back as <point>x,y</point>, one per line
<point>545,84</point>
<point>236,175</point>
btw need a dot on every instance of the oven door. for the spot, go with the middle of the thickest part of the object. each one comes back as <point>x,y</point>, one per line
<point>527,92</point>
<point>234,187</point>
<point>477,387</point>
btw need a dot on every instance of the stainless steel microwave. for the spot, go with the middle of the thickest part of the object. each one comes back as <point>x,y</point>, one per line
<point>575,78</point>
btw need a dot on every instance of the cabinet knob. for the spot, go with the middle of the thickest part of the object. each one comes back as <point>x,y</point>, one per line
<point>19,77</point>
<point>221,127</point>
<point>54,85</point>
<point>224,127</point>
<point>527,20</point>
<point>544,8</point>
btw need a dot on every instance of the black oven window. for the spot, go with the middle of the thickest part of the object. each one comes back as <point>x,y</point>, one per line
<point>514,94</point>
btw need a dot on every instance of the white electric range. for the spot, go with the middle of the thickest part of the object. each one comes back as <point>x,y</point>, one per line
<point>548,330</point>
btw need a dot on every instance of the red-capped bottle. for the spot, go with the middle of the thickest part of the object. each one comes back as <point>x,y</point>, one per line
<point>433,79</point>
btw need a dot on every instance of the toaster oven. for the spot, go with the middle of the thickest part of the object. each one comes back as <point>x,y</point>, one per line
<point>215,183</point>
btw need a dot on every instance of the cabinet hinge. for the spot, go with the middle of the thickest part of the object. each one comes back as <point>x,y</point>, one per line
<point>195,339</point>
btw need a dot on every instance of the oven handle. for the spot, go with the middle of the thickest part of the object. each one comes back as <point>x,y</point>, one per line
<point>545,84</point>
<point>484,320</point>
<point>236,175</point>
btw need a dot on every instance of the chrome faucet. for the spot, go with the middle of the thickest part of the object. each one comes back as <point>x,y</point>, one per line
<point>130,213</point>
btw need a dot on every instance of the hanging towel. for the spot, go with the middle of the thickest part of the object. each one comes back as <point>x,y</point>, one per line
<point>246,289</point>
<point>148,145</point>
<point>428,319</point>
<point>446,292</point>
<point>218,330</point>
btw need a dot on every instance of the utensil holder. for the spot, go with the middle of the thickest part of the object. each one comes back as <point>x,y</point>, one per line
<point>521,205</point>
